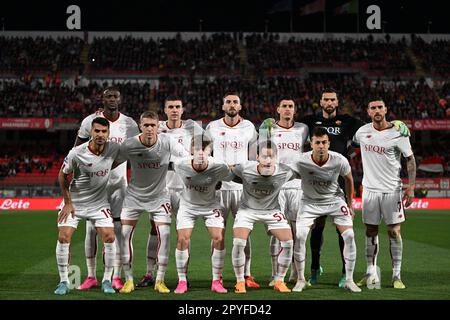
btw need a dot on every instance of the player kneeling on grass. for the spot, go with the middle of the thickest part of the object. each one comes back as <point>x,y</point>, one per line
<point>87,198</point>
<point>262,182</point>
<point>319,170</point>
<point>200,174</point>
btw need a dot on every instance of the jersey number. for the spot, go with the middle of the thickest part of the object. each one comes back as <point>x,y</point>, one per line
<point>217,213</point>
<point>107,213</point>
<point>167,207</point>
<point>345,211</point>
<point>279,216</point>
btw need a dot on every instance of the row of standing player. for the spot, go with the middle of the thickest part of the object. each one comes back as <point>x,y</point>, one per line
<point>231,132</point>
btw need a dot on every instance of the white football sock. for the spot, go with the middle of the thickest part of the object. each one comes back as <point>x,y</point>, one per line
<point>284,258</point>
<point>217,263</point>
<point>396,255</point>
<point>117,263</point>
<point>90,249</point>
<point>181,259</point>
<point>110,255</point>
<point>372,248</point>
<point>349,253</point>
<point>62,259</point>
<point>238,258</point>
<point>274,252</point>
<point>300,251</point>
<point>163,252</point>
<point>127,251</point>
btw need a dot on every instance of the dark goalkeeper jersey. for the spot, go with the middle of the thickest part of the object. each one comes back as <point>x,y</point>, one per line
<point>340,128</point>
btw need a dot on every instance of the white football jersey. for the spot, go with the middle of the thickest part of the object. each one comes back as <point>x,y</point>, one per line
<point>124,127</point>
<point>381,153</point>
<point>320,183</point>
<point>183,135</point>
<point>231,144</point>
<point>261,192</point>
<point>290,141</point>
<point>149,167</point>
<point>200,186</point>
<point>90,174</point>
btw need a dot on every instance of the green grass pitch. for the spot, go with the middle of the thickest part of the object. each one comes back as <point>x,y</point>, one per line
<point>28,264</point>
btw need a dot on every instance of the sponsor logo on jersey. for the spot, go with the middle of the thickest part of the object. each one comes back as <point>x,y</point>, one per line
<point>198,188</point>
<point>289,145</point>
<point>149,165</point>
<point>232,144</point>
<point>100,173</point>
<point>334,130</point>
<point>320,183</point>
<point>118,140</point>
<point>376,149</point>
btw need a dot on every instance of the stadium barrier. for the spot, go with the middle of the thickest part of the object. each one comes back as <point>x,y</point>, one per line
<point>7,204</point>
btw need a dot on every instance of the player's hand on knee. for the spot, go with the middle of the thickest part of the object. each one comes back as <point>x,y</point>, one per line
<point>65,212</point>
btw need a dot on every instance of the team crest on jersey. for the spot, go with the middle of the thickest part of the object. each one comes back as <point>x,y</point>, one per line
<point>338,122</point>
<point>311,172</point>
<point>139,154</point>
<point>222,133</point>
<point>369,136</point>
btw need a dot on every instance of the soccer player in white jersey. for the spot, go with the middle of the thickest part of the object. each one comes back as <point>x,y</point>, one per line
<point>234,142</point>
<point>200,174</point>
<point>121,128</point>
<point>262,181</point>
<point>381,149</point>
<point>289,137</point>
<point>149,155</point>
<point>319,170</point>
<point>86,198</point>
<point>181,131</point>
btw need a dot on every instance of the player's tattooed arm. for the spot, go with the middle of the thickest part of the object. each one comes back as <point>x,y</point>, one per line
<point>411,168</point>
<point>68,208</point>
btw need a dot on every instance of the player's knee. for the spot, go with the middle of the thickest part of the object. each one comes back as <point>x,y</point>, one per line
<point>371,231</point>
<point>183,241</point>
<point>394,233</point>
<point>109,237</point>
<point>63,238</point>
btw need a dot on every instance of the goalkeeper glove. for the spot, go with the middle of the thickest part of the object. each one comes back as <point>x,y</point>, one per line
<point>267,126</point>
<point>401,127</point>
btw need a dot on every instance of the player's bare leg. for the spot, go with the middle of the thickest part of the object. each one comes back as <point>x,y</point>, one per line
<point>217,259</point>
<point>396,248</point>
<point>350,256</point>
